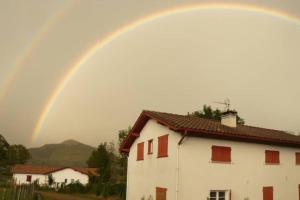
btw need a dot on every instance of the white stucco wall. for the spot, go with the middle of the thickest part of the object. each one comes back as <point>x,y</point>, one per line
<point>245,176</point>
<point>69,174</point>
<point>22,178</point>
<point>58,176</point>
<point>144,176</point>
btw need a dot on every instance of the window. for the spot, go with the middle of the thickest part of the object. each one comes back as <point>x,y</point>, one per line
<point>267,193</point>
<point>299,191</point>
<point>298,158</point>
<point>140,151</point>
<point>28,178</point>
<point>162,146</point>
<point>221,154</point>
<point>272,157</point>
<point>161,193</point>
<point>150,146</point>
<point>217,195</point>
<point>66,180</point>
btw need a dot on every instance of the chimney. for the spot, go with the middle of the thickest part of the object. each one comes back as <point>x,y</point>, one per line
<point>228,118</point>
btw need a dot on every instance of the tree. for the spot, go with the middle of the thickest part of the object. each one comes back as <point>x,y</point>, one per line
<point>101,159</point>
<point>122,163</point>
<point>209,113</point>
<point>17,154</point>
<point>112,168</point>
<point>3,150</point>
<point>50,180</point>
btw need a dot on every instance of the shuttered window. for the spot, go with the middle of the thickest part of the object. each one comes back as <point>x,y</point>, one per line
<point>150,146</point>
<point>140,151</point>
<point>268,193</point>
<point>162,146</point>
<point>28,178</point>
<point>298,158</point>
<point>272,157</point>
<point>299,191</point>
<point>221,154</point>
<point>161,193</point>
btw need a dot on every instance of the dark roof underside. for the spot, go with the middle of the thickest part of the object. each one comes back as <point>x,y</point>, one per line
<point>200,127</point>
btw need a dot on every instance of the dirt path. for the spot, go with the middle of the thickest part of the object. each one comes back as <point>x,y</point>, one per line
<point>58,196</point>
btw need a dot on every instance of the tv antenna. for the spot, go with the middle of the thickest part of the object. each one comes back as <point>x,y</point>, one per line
<point>226,103</point>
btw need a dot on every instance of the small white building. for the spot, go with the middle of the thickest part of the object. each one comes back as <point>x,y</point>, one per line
<point>25,174</point>
<point>179,157</point>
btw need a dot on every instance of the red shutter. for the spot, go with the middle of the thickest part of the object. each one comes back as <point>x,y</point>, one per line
<point>221,154</point>
<point>272,157</point>
<point>161,193</point>
<point>140,151</point>
<point>297,158</point>
<point>268,193</point>
<point>299,191</point>
<point>162,146</point>
<point>150,146</point>
<point>28,178</point>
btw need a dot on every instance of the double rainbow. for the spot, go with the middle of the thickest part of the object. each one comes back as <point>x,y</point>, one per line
<point>86,55</point>
<point>41,34</point>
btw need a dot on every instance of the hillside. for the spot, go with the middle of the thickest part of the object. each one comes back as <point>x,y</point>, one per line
<point>67,153</point>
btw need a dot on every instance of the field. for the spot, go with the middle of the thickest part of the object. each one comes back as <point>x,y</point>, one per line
<point>59,196</point>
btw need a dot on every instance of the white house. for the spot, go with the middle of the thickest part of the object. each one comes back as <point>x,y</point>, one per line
<point>24,174</point>
<point>179,157</point>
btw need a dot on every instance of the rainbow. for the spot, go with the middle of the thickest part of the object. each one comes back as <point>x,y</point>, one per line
<point>86,55</point>
<point>19,63</point>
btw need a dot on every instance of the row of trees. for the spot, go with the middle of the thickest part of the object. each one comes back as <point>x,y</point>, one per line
<point>11,155</point>
<point>112,167</point>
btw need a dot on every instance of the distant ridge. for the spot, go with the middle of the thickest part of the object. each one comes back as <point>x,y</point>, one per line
<point>71,142</point>
<point>68,153</point>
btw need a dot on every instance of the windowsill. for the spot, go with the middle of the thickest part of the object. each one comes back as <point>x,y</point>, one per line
<point>162,156</point>
<point>221,162</point>
<point>272,163</point>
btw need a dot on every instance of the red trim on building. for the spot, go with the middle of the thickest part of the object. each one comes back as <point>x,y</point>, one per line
<point>162,150</point>
<point>161,193</point>
<point>299,190</point>
<point>150,146</point>
<point>140,151</point>
<point>272,157</point>
<point>28,178</point>
<point>297,155</point>
<point>268,193</point>
<point>209,129</point>
<point>220,154</point>
<point>36,169</point>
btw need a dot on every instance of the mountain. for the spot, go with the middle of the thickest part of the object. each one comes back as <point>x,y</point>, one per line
<point>67,153</point>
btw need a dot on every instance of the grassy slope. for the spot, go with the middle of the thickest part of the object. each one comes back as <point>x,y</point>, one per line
<point>58,196</point>
<point>68,153</point>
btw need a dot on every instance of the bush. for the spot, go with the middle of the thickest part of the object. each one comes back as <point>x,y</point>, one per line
<point>76,187</point>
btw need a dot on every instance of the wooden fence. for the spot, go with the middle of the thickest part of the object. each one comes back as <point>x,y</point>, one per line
<point>18,192</point>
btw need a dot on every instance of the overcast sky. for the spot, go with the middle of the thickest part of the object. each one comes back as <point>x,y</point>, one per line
<point>173,64</point>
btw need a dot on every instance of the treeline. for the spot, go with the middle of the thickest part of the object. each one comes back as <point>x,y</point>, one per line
<point>9,156</point>
<point>112,167</point>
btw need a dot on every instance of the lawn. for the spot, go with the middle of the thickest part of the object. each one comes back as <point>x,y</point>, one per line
<point>59,196</point>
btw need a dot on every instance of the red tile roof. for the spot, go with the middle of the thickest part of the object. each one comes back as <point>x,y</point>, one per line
<point>201,127</point>
<point>34,169</point>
